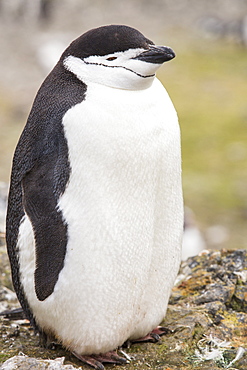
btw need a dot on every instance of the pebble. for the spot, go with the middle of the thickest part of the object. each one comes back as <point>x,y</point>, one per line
<point>23,362</point>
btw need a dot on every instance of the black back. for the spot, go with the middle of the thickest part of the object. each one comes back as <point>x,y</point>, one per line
<point>41,166</point>
<point>39,176</point>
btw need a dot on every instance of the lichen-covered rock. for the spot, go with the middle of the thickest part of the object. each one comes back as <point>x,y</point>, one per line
<point>209,303</point>
<point>206,322</point>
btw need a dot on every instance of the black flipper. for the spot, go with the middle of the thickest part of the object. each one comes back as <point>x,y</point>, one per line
<point>50,230</point>
<point>39,177</point>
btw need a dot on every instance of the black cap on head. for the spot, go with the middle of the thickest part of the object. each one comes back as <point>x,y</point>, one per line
<point>107,40</point>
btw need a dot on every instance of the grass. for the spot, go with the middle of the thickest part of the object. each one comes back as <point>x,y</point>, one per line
<point>207,83</point>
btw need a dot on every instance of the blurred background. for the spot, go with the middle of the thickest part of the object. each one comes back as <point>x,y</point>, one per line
<point>207,82</point>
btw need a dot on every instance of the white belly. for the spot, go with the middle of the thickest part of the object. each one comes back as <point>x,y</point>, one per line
<point>123,206</point>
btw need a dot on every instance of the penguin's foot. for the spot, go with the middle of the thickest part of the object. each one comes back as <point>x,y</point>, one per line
<point>96,361</point>
<point>153,336</point>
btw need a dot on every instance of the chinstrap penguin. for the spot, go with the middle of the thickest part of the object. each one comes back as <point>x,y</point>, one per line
<point>95,208</point>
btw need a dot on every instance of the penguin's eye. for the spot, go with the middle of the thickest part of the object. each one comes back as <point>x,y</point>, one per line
<point>111,58</point>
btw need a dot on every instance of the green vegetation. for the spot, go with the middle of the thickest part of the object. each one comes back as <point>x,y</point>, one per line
<point>208,85</point>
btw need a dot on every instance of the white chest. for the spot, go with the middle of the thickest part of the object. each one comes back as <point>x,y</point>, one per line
<point>121,143</point>
<point>121,129</point>
<point>123,208</point>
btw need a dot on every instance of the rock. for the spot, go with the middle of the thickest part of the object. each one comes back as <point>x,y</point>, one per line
<point>7,299</point>
<point>216,292</point>
<point>206,323</point>
<point>213,290</point>
<point>23,362</point>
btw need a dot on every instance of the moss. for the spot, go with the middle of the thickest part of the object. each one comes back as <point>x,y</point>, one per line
<point>237,305</point>
<point>4,357</point>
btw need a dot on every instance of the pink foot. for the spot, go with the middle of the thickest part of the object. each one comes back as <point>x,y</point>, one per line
<point>96,361</point>
<point>153,336</point>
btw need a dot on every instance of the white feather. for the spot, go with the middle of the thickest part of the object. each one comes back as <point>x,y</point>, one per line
<point>124,210</point>
<point>124,72</point>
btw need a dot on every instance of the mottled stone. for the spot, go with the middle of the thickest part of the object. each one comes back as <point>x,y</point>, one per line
<point>216,292</point>
<point>206,318</point>
<point>23,362</point>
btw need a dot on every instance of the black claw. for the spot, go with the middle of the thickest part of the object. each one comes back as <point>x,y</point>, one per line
<point>156,337</point>
<point>163,330</point>
<point>119,360</point>
<point>100,366</point>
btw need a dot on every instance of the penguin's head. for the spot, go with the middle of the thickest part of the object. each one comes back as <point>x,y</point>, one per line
<point>116,56</point>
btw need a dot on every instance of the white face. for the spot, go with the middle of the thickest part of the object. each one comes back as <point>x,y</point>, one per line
<point>118,70</point>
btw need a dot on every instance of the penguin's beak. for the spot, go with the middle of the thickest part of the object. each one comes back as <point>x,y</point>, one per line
<point>156,54</point>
